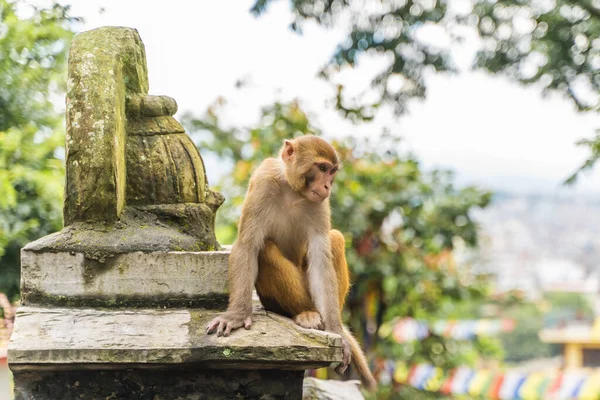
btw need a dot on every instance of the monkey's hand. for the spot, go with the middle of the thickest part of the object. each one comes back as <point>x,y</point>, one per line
<point>346,357</point>
<point>227,322</point>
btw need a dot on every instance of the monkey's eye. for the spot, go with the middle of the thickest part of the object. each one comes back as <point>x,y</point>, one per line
<point>323,168</point>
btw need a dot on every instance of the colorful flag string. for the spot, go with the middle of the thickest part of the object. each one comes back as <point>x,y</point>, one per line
<point>507,385</point>
<point>579,384</point>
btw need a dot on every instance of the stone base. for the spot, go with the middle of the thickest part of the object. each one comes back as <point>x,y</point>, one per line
<point>158,384</point>
<point>125,280</point>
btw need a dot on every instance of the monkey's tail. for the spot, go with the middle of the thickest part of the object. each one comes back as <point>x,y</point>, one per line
<point>359,361</point>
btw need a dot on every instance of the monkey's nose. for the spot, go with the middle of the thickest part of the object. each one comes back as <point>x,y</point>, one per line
<point>326,187</point>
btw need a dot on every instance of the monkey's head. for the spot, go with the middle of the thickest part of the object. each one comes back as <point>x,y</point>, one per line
<point>310,166</point>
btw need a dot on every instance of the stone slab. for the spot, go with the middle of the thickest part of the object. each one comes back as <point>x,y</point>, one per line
<point>136,279</point>
<point>76,338</point>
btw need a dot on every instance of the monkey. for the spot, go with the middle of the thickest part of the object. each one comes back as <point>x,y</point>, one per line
<point>288,251</point>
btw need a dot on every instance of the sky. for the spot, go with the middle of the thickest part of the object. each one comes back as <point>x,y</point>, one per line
<point>490,131</point>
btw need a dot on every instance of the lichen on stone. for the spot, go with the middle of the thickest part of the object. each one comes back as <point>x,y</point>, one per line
<point>128,160</point>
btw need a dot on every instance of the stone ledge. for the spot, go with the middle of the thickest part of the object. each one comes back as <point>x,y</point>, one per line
<point>69,338</point>
<point>136,279</point>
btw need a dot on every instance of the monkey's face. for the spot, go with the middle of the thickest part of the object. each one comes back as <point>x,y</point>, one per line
<point>311,165</point>
<point>319,180</point>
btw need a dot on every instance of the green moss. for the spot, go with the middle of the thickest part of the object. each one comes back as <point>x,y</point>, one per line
<point>103,241</point>
<point>210,302</point>
<point>96,117</point>
<point>122,268</point>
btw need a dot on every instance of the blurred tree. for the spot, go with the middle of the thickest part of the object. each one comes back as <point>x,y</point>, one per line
<point>388,28</point>
<point>523,343</point>
<point>32,70</point>
<point>579,304</point>
<point>553,44</point>
<point>400,224</point>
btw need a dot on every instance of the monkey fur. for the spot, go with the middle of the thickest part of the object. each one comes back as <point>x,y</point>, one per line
<point>288,251</point>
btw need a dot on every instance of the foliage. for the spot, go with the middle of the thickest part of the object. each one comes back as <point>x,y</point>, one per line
<point>387,28</point>
<point>523,343</point>
<point>32,63</point>
<point>575,302</point>
<point>400,225</point>
<point>552,44</point>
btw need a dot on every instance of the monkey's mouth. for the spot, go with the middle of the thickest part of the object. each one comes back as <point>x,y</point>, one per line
<point>321,197</point>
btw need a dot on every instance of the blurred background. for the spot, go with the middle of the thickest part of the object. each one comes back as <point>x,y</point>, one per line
<point>468,195</point>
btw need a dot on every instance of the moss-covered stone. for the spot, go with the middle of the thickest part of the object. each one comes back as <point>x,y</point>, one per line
<point>164,169</point>
<point>124,150</point>
<point>151,106</point>
<point>149,126</point>
<point>196,220</point>
<point>105,65</point>
<point>163,230</point>
<point>213,301</point>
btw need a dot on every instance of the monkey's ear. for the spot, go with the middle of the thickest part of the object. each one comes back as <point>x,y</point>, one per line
<point>288,151</point>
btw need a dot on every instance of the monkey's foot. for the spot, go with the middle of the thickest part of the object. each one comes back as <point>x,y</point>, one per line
<point>309,320</point>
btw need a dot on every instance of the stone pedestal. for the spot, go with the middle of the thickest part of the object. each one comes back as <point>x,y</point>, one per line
<point>115,305</point>
<point>127,333</point>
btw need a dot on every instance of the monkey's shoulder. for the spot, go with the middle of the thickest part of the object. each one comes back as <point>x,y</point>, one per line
<point>270,163</point>
<point>268,172</point>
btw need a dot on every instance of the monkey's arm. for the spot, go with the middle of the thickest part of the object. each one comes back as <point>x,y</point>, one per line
<point>243,269</point>
<point>322,284</point>
<point>242,272</point>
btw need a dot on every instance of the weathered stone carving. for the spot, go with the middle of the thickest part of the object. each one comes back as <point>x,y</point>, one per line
<point>135,182</point>
<point>128,159</point>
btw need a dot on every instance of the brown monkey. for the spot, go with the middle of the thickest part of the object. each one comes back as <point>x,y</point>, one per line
<point>287,249</point>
